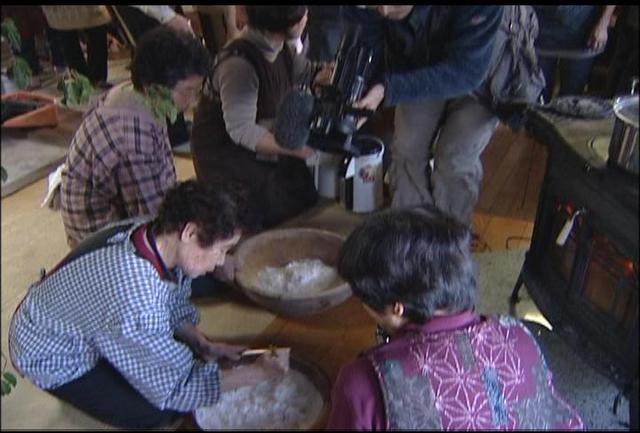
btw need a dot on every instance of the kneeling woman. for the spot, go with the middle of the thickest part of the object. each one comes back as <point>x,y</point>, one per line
<point>231,135</point>
<point>111,329</point>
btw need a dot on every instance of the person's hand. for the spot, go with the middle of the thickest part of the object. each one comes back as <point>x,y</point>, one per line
<point>180,23</point>
<point>267,366</point>
<point>242,19</point>
<point>204,347</point>
<point>212,351</point>
<point>371,101</point>
<point>323,77</point>
<point>598,37</point>
<point>304,152</point>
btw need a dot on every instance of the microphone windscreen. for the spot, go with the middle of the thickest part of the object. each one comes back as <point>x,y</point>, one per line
<point>293,120</point>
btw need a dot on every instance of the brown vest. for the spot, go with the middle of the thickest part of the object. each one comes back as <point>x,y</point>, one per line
<point>281,189</point>
<point>209,134</point>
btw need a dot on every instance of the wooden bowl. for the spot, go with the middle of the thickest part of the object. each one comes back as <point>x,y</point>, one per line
<point>279,247</point>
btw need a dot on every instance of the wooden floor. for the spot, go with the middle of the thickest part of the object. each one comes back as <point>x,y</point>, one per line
<point>514,167</point>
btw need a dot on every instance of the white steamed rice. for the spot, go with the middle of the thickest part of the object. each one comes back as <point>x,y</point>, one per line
<point>291,402</point>
<point>306,276</point>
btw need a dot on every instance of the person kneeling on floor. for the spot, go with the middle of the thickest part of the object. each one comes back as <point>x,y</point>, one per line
<point>111,329</point>
<point>444,366</point>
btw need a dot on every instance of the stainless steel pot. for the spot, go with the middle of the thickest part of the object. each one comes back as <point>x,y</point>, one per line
<point>624,149</point>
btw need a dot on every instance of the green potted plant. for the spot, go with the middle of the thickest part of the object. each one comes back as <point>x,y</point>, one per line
<point>20,70</point>
<point>22,109</point>
<point>75,87</point>
<point>8,381</point>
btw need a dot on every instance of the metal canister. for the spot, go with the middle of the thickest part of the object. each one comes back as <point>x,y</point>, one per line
<point>624,149</point>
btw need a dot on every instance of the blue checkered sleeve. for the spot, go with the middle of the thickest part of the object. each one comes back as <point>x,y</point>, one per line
<point>113,304</point>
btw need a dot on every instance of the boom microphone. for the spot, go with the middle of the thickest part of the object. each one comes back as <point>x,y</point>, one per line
<point>293,120</point>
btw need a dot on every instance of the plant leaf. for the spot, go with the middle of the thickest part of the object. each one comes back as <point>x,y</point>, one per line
<point>6,388</point>
<point>11,33</point>
<point>9,377</point>
<point>21,73</point>
<point>76,89</point>
<point>160,102</point>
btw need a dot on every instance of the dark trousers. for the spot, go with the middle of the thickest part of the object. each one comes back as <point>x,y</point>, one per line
<point>94,66</point>
<point>624,64</point>
<point>574,75</point>
<point>57,56</point>
<point>105,395</point>
<point>325,28</point>
<point>30,54</point>
<point>276,191</point>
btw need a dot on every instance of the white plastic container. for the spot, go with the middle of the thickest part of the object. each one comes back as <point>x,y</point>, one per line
<point>326,171</point>
<point>362,176</point>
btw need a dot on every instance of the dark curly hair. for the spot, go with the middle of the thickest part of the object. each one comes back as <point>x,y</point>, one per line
<point>218,209</point>
<point>419,257</point>
<point>274,18</point>
<point>165,56</point>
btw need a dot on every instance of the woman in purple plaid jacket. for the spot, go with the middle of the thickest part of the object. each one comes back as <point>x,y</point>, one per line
<point>120,163</point>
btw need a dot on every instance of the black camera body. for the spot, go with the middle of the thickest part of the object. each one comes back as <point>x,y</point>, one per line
<point>334,120</point>
<point>325,119</point>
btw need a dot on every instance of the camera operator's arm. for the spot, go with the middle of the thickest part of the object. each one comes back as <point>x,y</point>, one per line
<point>372,37</point>
<point>466,52</point>
<point>371,101</point>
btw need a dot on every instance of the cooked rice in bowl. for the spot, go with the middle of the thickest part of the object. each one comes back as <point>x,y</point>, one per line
<point>292,271</point>
<point>297,401</point>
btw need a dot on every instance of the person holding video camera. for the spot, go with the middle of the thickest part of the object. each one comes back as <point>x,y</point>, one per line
<point>232,135</point>
<point>435,56</point>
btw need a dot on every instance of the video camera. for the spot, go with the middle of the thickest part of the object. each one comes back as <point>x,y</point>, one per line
<point>325,118</point>
<point>333,116</point>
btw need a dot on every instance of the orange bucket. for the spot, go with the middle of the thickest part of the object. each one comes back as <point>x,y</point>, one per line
<point>44,115</point>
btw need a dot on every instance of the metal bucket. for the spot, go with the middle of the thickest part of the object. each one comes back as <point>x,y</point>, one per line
<point>624,149</point>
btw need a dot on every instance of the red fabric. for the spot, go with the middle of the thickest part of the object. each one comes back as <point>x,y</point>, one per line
<point>146,252</point>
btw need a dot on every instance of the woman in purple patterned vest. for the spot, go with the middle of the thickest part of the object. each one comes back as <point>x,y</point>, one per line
<point>444,366</point>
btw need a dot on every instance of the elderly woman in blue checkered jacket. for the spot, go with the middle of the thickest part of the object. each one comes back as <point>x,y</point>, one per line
<point>111,329</point>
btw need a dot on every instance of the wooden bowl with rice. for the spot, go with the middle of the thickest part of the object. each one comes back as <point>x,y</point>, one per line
<point>292,271</point>
<point>299,401</point>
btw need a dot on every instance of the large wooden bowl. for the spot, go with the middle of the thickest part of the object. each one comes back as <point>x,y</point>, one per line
<point>279,247</point>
